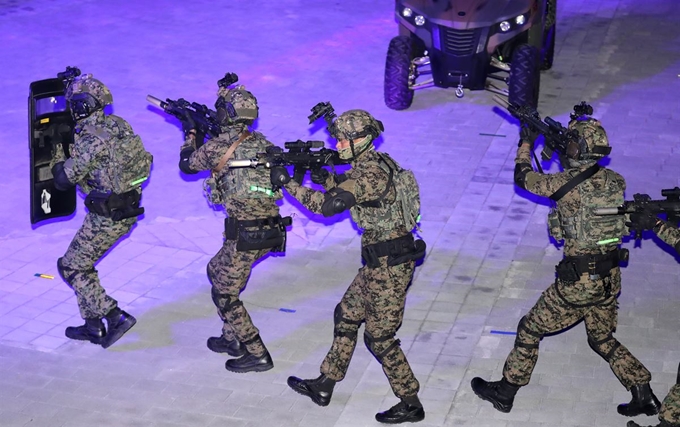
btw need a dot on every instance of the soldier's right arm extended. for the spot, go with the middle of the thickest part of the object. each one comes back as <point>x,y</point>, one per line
<point>668,233</point>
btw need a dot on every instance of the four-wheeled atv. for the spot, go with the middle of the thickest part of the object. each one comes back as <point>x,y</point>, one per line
<point>462,43</point>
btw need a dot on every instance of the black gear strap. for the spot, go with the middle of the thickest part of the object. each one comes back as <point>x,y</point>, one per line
<point>582,176</point>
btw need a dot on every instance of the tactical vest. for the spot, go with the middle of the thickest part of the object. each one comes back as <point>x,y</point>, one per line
<point>248,182</point>
<point>129,163</point>
<point>587,230</point>
<point>379,215</point>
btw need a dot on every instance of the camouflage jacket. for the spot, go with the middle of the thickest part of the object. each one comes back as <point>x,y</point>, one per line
<point>668,233</point>
<point>569,205</point>
<point>87,166</point>
<point>366,180</point>
<point>208,156</point>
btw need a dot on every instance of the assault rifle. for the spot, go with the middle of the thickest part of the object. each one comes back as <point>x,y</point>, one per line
<point>299,154</point>
<point>557,137</point>
<point>644,203</point>
<point>205,119</point>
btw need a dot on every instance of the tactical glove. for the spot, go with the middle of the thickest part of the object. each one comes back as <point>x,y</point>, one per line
<point>319,176</point>
<point>527,134</point>
<point>188,124</point>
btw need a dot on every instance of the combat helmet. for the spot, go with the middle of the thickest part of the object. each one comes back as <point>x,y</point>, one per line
<point>355,124</point>
<point>85,95</point>
<point>593,140</point>
<point>236,105</point>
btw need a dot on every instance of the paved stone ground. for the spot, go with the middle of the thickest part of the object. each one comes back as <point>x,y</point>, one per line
<point>489,255</point>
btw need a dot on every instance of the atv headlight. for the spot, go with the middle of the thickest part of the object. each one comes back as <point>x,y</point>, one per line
<point>420,20</point>
<point>504,26</point>
<point>407,12</point>
<point>520,20</point>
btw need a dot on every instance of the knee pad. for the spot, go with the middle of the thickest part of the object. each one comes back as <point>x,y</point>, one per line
<point>344,327</point>
<point>67,274</point>
<point>597,346</point>
<point>380,346</point>
<point>526,338</point>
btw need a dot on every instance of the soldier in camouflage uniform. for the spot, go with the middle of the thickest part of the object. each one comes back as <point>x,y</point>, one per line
<point>588,278</point>
<point>253,228</point>
<point>378,293</point>
<point>669,415</point>
<point>109,163</point>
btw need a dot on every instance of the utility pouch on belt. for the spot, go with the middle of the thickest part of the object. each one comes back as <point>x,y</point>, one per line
<point>597,266</point>
<point>261,233</point>
<point>114,206</point>
<point>397,251</point>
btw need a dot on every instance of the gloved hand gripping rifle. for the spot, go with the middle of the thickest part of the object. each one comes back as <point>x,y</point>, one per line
<point>300,155</point>
<point>204,119</point>
<point>644,203</point>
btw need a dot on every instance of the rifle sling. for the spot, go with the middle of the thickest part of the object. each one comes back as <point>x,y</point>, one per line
<point>582,176</point>
<point>230,152</point>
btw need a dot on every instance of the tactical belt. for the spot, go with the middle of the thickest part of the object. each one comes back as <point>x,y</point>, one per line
<point>598,266</point>
<point>398,251</point>
<point>114,206</point>
<point>264,233</point>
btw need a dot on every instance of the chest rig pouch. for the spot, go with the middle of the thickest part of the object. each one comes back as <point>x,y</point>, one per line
<point>258,234</point>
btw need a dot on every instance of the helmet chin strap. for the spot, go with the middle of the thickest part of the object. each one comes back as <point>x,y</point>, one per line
<point>365,146</point>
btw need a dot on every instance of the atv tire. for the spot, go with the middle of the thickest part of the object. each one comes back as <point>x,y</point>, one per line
<point>549,34</point>
<point>524,79</point>
<point>398,95</point>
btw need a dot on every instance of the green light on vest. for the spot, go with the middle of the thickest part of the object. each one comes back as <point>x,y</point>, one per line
<point>266,191</point>
<point>607,241</point>
<point>139,181</point>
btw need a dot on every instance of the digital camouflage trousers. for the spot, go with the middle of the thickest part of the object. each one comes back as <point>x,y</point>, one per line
<point>376,296</point>
<point>228,272</point>
<point>564,304</point>
<point>96,236</point>
<point>670,408</point>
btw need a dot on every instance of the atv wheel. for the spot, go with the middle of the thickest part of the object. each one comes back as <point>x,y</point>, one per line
<point>524,77</point>
<point>401,51</point>
<point>548,49</point>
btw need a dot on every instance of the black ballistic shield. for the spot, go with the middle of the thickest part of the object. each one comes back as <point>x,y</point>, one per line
<point>49,123</point>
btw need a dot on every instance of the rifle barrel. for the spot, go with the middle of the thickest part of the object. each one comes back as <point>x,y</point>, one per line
<point>155,101</point>
<point>609,211</point>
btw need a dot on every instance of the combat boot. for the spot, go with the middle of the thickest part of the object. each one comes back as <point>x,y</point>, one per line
<point>118,323</point>
<point>220,344</point>
<point>500,393</point>
<point>643,402</point>
<point>250,363</point>
<point>408,410</point>
<point>92,331</point>
<point>319,390</point>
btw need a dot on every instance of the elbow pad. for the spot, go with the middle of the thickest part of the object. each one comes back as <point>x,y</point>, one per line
<point>337,201</point>
<point>61,181</point>
<point>184,156</point>
<point>521,171</point>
